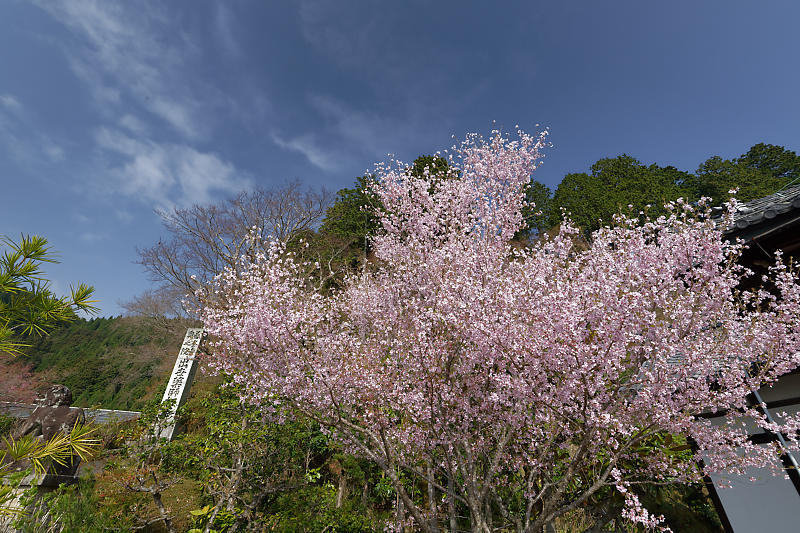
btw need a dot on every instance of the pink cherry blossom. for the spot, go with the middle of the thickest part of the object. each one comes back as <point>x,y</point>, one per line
<point>517,382</point>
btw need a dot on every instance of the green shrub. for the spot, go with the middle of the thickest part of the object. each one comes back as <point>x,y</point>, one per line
<point>76,509</point>
<point>312,509</point>
<point>685,507</point>
<point>6,423</point>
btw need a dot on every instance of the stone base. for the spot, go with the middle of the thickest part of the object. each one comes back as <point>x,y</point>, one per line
<point>44,484</point>
<point>47,481</point>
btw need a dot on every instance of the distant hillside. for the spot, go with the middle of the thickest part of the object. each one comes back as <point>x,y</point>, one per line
<point>113,363</point>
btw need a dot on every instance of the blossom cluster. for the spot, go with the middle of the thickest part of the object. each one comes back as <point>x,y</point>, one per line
<point>554,370</point>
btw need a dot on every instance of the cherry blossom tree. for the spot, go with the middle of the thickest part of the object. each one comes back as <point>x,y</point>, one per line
<point>516,384</point>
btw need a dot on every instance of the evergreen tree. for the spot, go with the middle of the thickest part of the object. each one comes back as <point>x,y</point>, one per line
<point>27,305</point>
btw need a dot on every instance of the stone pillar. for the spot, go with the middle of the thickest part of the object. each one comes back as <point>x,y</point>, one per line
<point>181,379</point>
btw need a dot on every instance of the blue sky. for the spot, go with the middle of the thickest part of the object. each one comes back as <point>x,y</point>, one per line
<point>109,111</point>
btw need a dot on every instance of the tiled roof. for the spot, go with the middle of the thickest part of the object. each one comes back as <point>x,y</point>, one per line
<point>766,208</point>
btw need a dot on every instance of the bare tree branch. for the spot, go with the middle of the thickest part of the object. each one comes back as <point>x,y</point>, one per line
<point>205,239</point>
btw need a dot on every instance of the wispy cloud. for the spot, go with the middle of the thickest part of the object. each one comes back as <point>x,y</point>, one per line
<point>92,237</point>
<point>133,124</point>
<point>224,22</point>
<point>82,218</point>
<point>308,145</point>
<point>144,71</point>
<point>375,42</point>
<point>19,136</point>
<point>407,68</point>
<point>52,150</point>
<point>165,174</point>
<point>344,134</point>
<point>123,216</point>
<point>10,103</point>
<point>104,94</point>
<point>360,128</point>
<point>134,51</point>
<point>348,33</point>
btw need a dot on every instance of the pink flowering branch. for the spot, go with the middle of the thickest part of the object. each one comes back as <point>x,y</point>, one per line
<point>516,383</point>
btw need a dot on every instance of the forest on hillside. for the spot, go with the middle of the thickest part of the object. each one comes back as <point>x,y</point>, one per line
<point>111,363</point>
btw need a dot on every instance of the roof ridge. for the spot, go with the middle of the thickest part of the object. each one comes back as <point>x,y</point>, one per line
<point>765,208</point>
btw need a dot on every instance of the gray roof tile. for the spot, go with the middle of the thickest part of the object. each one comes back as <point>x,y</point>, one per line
<point>766,208</point>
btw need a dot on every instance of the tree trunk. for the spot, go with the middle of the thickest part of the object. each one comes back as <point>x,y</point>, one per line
<point>432,499</point>
<point>400,513</point>
<point>451,498</point>
<point>479,524</point>
<point>163,511</point>
<point>342,491</point>
<point>365,495</point>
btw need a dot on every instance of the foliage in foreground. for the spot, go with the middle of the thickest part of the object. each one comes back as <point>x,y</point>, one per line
<point>228,472</point>
<point>27,305</point>
<point>308,485</point>
<point>39,456</point>
<point>516,385</point>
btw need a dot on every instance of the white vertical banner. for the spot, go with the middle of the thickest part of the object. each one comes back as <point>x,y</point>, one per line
<point>181,379</point>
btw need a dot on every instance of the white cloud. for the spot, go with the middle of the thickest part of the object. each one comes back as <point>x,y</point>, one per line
<point>367,130</point>
<point>19,136</point>
<point>102,92</point>
<point>347,33</point>
<point>308,146</point>
<point>344,135</point>
<point>224,21</point>
<point>133,124</point>
<point>137,51</point>
<point>123,215</point>
<point>164,174</point>
<point>10,103</point>
<point>52,150</point>
<point>92,237</point>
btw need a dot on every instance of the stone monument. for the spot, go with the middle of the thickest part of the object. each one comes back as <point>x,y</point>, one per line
<point>181,379</point>
<point>51,416</point>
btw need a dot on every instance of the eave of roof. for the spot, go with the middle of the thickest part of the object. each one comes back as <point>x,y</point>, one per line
<point>766,209</point>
